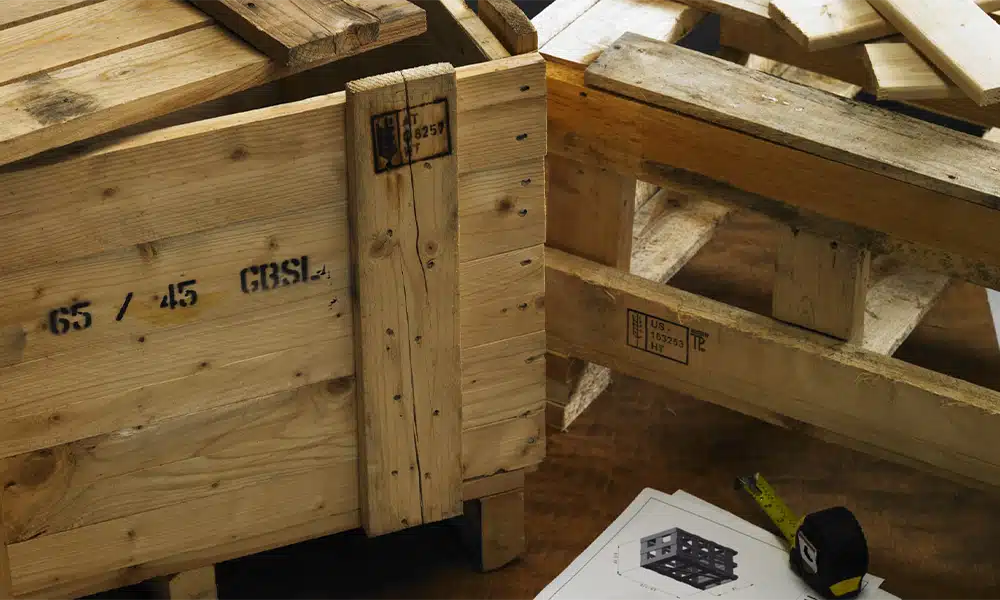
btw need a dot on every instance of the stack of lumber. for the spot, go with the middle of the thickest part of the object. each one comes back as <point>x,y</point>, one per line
<point>74,69</point>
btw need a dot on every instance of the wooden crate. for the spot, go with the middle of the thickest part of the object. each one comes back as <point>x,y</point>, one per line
<point>191,361</point>
<point>879,212</point>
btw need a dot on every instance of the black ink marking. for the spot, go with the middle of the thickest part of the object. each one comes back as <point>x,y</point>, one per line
<point>657,336</point>
<point>121,311</point>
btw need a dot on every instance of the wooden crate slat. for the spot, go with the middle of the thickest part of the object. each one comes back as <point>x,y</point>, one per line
<point>69,38</point>
<point>899,298</point>
<point>905,410</point>
<point>19,12</point>
<point>748,11</point>
<point>510,25</point>
<point>502,380</point>
<point>233,447</point>
<point>502,296</point>
<point>558,16</point>
<point>961,41</point>
<point>501,209</point>
<point>403,175</point>
<point>899,72</point>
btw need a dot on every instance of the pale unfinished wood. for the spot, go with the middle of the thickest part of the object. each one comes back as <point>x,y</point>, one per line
<point>196,584</point>
<point>558,16</point>
<point>108,92</point>
<point>748,11</point>
<point>820,284</point>
<point>799,117</point>
<point>589,35</point>
<point>197,176</point>
<point>458,25</point>
<point>962,41</point>
<point>494,528</point>
<point>510,25</point>
<point>493,484</point>
<point>502,296</point>
<point>237,446</point>
<point>802,76</point>
<point>899,297</point>
<point>18,12</point>
<point>501,209</point>
<point>824,24</point>
<point>404,205</point>
<point>72,37</point>
<point>502,380</point>
<point>927,417</point>
<point>899,72</point>
<point>304,31</point>
<point>607,129</point>
<point>517,443</point>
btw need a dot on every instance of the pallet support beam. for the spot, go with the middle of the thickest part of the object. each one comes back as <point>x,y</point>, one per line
<point>403,178</point>
<point>196,584</point>
<point>493,528</point>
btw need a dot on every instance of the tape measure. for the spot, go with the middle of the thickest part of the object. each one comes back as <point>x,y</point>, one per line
<point>828,548</point>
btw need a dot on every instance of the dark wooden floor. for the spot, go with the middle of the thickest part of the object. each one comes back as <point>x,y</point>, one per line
<point>929,538</point>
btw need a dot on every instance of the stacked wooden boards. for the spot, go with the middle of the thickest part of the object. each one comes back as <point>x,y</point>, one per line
<point>72,69</point>
<point>190,291</point>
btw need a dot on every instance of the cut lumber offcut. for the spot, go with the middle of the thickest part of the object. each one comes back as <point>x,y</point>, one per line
<point>820,284</point>
<point>404,204</point>
<point>825,24</point>
<point>299,32</point>
<point>796,116</point>
<point>899,72</point>
<point>558,16</point>
<point>747,11</point>
<point>196,584</point>
<point>18,12</point>
<point>68,38</point>
<point>898,299</point>
<point>957,36</point>
<point>802,76</point>
<point>628,323</point>
<point>510,25</point>
<point>588,36</point>
<point>455,26</point>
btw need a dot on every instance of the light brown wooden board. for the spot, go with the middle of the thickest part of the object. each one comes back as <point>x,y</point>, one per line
<point>204,175</point>
<point>749,11</point>
<point>196,584</point>
<point>503,380</point>
<point>962,41</point>
<point>589,35</point>
<point>921,415</point>
<point>821,284</point>
<point>403,175</point>
<point>557,16</point>
<point>870,138</point>
<point>845,63</point>
<point>824,24</point>
<point>18,12</point>
<point>898,299</point>
<point>304,31</point>
<point>105,93</point>
<point>68,38</point>
<point>511,26</point>
<point>899,72</point>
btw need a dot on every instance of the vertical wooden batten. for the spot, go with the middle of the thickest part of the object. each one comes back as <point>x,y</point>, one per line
<point>403,174</point>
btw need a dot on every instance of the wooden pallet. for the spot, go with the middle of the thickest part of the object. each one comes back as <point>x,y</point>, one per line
<point>184,380</point>
<point>880,211</point>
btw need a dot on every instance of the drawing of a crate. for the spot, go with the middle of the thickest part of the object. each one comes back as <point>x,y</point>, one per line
<point>688,558</point>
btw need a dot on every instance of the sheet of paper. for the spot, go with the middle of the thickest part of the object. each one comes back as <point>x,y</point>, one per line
<point>612,567</point>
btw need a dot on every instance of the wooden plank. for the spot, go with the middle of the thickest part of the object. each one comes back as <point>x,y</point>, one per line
<point>590,211</point>
<point>79,35</point>
<point>508,445</point>
<point>501,209</point>
<point>824,24</point>
<point>303,31</point>
<point>19,12</point>
<point>502,380</point>
<point>179,529</point>
<point>889,246</point>
<point>456,26</point>
<point>404,209</point>
<point>897,301</point>
<point>961,41</point>
<point>591,34</point>
<point>5,579</point>
<point>803,122</point>
<point>234,447</point>
<point>746,11</point>
<point>802,76</point>
<point>606,129</point>
<point>510,25</point>
<point>140,380</point>
<point>899,72</point>
<point>557,16</point>
<point>845,63</point>
<point>196,584</point>
<point>495,528</point>
<point>821,284</point>
<point>502,296</point>
<point>493,484</point>
<point>83,100</point>
<point>198,176</point>
<point>927,417</point>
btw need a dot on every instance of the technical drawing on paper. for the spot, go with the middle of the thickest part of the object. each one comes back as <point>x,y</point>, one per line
<point>688,558</point>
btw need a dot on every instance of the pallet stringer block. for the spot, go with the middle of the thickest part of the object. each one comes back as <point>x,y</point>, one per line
<point>493,528</point>
<point>196,584</point>
<point>403,176</point>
